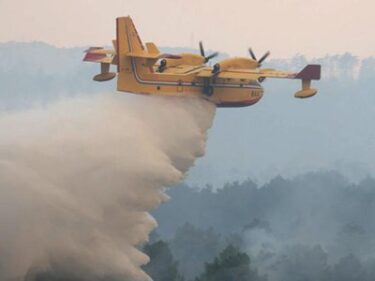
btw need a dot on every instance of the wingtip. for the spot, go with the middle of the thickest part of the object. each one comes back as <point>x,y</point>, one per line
<point>310,72</point>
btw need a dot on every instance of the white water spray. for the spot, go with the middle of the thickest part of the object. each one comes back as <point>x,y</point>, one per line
<point>78,178</point>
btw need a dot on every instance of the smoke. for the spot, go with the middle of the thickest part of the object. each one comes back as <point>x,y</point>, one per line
<point>78,178</point>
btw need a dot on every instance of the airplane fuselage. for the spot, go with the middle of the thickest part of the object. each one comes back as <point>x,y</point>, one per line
<point>222,92</point>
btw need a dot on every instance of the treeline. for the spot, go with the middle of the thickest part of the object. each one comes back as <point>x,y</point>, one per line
<point>296,264</point>
<point>229,264</point>
<point>317,226</point>
<point>38,72</point>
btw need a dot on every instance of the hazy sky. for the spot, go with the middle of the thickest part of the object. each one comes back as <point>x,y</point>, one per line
<point>286,27</point>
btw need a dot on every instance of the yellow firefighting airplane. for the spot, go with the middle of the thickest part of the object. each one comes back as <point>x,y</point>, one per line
<point>233,82</point>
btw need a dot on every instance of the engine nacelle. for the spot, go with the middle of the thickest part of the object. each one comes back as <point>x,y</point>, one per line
<point>239,63</point>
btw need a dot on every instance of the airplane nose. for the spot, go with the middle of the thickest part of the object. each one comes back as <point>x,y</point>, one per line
<point>256,93</point>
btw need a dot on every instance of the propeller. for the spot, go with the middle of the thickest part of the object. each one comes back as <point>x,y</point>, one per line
<point>262,59</point>
<point>206,59</point>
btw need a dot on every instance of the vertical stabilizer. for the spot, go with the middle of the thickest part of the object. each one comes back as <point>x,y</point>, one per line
<point>128,40</point>
<point>131,68</point>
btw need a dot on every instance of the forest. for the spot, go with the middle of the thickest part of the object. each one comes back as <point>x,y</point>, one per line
<point>299,207</point>
<point>317,226</point>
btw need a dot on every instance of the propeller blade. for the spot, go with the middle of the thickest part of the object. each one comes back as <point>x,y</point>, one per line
<point>264,57</point>
<point>201,48</point>
<point>252,54</point>
<point>211,56</point>
<point>206,59</point>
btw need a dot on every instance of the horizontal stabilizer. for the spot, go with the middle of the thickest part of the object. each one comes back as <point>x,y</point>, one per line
<point>93,56</point>
<point>146,55</point>
<point>152,49</point>
<point>100,55</point>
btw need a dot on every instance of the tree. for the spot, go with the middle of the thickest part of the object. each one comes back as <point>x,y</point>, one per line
<point>230,265</point>
<point>162,266</point>
<point>300,263</point>
<point>193,247</point>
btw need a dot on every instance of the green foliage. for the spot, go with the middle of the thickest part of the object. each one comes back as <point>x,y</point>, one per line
<point>301,263</point>
<point>230,265</point>
<point>162,266</point>
<point>192,247</point>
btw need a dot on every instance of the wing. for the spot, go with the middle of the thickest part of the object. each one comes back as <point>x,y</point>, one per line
<point>310,72</point>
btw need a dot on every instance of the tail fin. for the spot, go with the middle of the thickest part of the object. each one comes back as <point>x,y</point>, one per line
<point>128,42</point>
<point>134,62</point>
<point>132,66</point>
<point>127,36</point>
